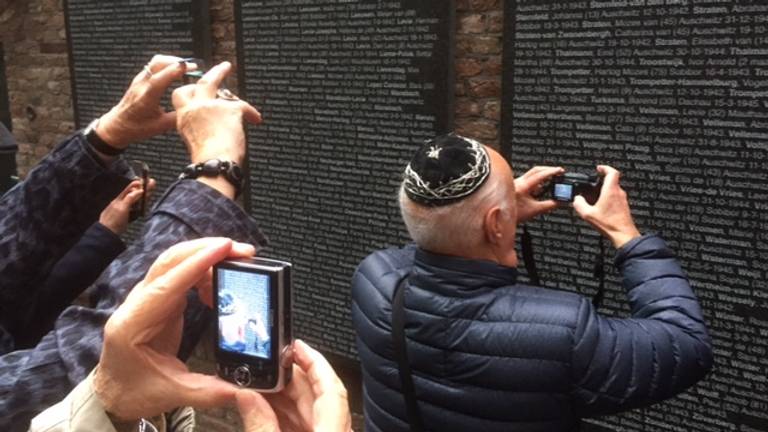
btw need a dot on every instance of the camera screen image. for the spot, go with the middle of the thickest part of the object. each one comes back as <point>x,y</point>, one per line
<point>244,321</point>
<point>563,192</point>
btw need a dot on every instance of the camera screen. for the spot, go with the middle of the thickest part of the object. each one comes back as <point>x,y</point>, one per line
<point>563,192</point>
<point>244,321</point>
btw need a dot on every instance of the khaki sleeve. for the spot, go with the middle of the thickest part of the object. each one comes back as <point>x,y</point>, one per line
<point>81,411</point>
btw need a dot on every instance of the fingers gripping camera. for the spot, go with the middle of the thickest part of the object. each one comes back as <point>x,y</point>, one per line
<point>253,306</point>
<point>566,187</point>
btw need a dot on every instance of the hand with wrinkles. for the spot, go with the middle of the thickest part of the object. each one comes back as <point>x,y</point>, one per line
<point>139,115</point>
<point>528,188</point>
<point>610,214</point>
<point>212,127</point>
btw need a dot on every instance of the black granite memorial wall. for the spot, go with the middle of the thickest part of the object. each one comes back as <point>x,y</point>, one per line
<point>348,90</point>
<point>674,93</point>
<point>110,41</point>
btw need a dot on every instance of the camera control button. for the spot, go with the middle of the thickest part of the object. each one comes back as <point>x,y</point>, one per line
<point>242,376</point>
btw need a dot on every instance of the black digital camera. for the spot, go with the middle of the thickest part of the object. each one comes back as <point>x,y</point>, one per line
<point>141,171</point>
<point>564,188</point>
<point>254,338</point>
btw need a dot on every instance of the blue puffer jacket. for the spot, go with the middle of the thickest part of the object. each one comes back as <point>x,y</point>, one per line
<point>491,355</point>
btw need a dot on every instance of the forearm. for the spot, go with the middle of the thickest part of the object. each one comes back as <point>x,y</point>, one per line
<point>663,349</point>
<point>47,213</point>
<point>69,277</point>
<point>657,286</point>
<point>82,410</point>
<point>188,210</point>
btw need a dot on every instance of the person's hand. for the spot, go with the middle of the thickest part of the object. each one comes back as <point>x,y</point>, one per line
<point>116,215</point>
<point>527,188</point>
<point>138,374</point>
<point>212,127</point>
<point>315,399</point>
<point>139,115</point>
<point>610,215</point>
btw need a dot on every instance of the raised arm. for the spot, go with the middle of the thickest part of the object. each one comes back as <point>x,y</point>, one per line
<point>664,347</point>
<point>30,381</point>
<point>660,351</point>
<point>44,216</point>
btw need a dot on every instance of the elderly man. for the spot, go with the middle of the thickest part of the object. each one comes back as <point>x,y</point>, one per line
<point>480,351</point>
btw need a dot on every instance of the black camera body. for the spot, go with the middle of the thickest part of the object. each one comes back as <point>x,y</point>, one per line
<point>564,188</point>
<point>140,171</point>
<point>252,298</point>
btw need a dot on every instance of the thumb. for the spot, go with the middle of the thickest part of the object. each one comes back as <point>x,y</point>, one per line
<point>256,413</point>
<point>200,390</point>
<point>546,206</point>
<point>581,206</point>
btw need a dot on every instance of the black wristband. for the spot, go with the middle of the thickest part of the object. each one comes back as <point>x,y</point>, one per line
<point>214,168</point>
<point>99,144</point>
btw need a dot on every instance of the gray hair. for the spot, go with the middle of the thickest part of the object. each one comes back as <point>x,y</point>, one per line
<point>455,226</point>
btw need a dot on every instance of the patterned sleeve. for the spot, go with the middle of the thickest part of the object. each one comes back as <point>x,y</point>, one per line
<point>32,380</point>
<point>44,216</point>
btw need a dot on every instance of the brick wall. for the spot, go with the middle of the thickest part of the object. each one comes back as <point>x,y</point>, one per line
<point>37,71</point>
<point>40,93</point>
<point>39,86</point>
<point>478,69</point>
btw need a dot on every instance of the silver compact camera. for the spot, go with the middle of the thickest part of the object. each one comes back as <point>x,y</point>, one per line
<point>254,336</point>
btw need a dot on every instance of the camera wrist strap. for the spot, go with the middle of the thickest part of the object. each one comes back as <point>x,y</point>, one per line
<point>598,271</point>
<point>401,354</point>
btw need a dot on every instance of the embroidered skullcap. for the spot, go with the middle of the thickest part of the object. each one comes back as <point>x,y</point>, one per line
<point>446,169</point>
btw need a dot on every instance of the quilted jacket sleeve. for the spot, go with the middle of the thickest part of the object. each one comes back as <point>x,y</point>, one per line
<point>664,348</point>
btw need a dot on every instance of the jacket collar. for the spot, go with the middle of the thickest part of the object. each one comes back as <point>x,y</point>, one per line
<point>463,272</point>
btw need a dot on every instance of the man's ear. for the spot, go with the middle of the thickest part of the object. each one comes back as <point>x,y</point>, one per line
<point>492,225</point>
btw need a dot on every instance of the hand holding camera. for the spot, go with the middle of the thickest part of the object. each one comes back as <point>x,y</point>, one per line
<point>252,299</point>
<point>315,399</point>
<point>528,188</point>
<point>211,126</point>
<point>610,213</point>
<point>119,212</point>
<point>138,373</point>
<point>566,187</point>
<point>139,115</point>
<point>210,120</point>
<point>139,376</point>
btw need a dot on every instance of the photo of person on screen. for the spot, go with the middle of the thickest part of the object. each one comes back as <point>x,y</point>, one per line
<point>231,323</point>
<point>244,324</point>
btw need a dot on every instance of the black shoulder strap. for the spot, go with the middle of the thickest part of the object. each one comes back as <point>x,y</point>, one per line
<point>530,263</point>
<point>401,353</point>
<point>598,271</point>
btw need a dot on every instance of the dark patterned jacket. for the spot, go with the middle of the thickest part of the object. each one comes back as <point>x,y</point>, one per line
<point>40,219</point>
<point>70,276</point>
<point>489,354</point>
